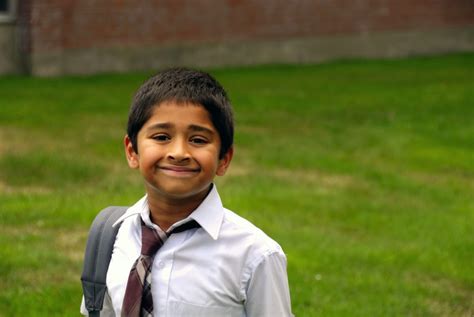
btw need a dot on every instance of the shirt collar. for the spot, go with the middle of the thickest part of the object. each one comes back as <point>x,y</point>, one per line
<point>133,210</point>
<point>209,214</point>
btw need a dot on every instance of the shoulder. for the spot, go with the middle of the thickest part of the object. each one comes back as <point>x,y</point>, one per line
<point>261,259</point>
<point>256,243</point>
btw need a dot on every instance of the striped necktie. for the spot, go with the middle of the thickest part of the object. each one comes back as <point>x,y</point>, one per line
<point>138,300</point>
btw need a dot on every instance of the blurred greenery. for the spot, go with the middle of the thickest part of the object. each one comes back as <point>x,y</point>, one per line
<point>363,170</point>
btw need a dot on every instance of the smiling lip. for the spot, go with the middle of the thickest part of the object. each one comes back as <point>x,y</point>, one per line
<point>178,170</point>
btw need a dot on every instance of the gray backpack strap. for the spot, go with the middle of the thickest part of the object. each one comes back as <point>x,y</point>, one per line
<point>97,257</point>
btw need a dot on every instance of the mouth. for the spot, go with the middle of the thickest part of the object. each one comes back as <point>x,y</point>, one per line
<point>178,171</point>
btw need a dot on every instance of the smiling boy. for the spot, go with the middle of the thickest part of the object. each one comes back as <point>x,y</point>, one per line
<point>179,137</point>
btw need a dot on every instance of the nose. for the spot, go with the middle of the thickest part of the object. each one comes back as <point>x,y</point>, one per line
<point>178,151</point>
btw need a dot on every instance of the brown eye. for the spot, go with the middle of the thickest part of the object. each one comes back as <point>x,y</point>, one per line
<point>198,140</point>
<point>161,137</point>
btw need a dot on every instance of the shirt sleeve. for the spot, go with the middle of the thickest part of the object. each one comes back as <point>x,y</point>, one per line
<point>107,308</point>
<point>268,292</point>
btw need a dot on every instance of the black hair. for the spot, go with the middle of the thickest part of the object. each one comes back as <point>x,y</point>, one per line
<point>183,85</point>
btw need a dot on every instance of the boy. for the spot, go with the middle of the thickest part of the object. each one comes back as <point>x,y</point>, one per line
<point>179,136</point>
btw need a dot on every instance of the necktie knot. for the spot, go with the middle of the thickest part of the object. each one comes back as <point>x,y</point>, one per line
<point>151,241</point>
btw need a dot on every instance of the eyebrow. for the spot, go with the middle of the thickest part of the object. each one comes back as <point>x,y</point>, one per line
<point>160,126</point>
<point>192,127</point>
<point>199,128</point>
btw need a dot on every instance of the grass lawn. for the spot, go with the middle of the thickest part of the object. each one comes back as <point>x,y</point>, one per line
<point>362,170</point>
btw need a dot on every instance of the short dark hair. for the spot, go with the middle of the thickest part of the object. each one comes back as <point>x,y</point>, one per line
<point>183,85</point>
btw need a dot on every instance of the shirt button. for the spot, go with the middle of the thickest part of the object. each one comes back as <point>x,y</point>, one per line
<point>161,264</point>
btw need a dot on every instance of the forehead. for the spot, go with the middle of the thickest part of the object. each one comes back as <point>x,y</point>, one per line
<point>180,113</point>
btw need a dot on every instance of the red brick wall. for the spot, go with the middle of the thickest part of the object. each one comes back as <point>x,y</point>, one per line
<point>65,24</point>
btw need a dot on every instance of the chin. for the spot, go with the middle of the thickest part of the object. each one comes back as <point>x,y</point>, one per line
<point>180,193</point>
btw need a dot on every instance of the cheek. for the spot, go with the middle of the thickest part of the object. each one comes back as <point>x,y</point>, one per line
<point>149,156</point>
<point>208,159</point>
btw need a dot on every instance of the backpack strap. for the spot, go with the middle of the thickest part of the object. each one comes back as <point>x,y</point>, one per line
<point>97,257</point>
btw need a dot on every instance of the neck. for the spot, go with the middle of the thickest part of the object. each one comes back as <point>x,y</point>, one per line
<point>165,211</point>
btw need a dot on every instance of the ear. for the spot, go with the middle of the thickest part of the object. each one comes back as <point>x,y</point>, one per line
<point>132,156</point>
<point>225,162</point>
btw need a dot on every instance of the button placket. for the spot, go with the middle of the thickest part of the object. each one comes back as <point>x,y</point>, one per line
<point>160,284</point>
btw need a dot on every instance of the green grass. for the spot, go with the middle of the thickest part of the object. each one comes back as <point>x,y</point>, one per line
<point>362,170</point>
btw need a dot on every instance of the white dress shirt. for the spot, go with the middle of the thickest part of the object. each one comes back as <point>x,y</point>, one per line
<point>228,267</point>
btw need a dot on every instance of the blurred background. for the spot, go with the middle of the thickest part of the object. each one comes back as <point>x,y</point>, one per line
<point>51,37</point>
<point>354,145</point>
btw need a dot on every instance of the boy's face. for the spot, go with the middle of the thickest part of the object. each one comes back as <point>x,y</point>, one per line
<point>178,152</point>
